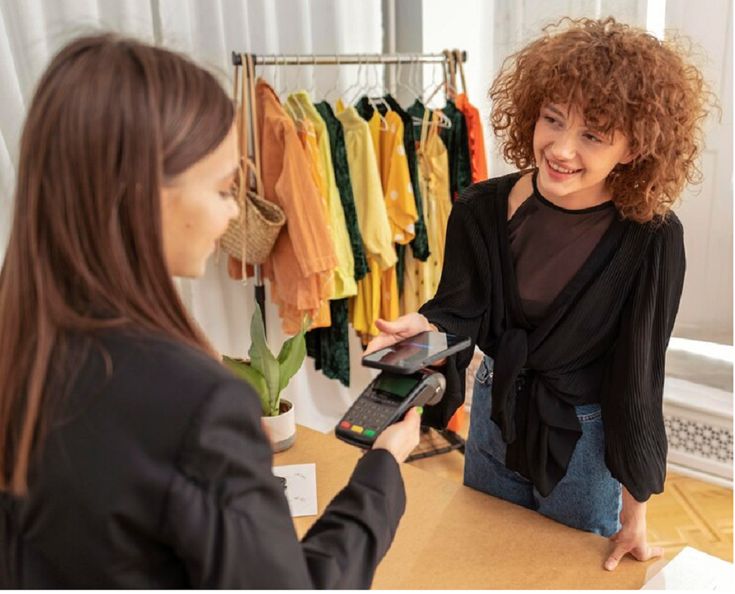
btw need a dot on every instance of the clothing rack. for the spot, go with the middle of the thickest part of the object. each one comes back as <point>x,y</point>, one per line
<point>447,58</point>
<point>338,60</point>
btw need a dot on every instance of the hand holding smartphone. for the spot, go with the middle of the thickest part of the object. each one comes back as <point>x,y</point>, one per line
<point>415,353</point>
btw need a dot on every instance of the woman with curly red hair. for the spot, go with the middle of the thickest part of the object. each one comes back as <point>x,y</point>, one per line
<point>568,276</point>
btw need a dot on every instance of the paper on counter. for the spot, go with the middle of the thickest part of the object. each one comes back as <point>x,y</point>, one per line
<point>693,570</point>
<point>300,488</point>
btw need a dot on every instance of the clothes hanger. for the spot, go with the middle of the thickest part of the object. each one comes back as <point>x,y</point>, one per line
<point>383,122</point>
<point>380,91</point>
<point>433,84</point>
<point>311,89</point>
<point>293,106</point>
<point>354,85</point>
<point>443,121</point>
<point>334,87</point>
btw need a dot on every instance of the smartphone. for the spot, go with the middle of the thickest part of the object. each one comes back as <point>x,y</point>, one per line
<point>412,354</point>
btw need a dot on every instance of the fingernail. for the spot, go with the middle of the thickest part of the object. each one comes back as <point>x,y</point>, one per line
<point>420,410</point>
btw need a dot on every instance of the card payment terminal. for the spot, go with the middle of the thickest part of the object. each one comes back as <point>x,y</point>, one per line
<point>385,401</point>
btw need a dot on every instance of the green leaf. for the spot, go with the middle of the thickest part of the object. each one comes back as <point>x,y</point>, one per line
<point>291,357</point>
<point>263,360</point>
<point>245,371</point>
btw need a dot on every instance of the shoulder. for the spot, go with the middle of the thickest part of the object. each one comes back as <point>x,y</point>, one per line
<point>152,376</point>
<point>664,231</point>
<point>488,196</point>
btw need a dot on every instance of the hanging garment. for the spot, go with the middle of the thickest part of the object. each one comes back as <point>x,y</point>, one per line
<point>394,174</point>
<point>420,243</point>
<point>301,265</point>
<point>475,138</point>
<point>307,136</point>
<point>344,185</point>
<point>422,278</point>
<point>455,139</point>
<point>329,347</point>
<point>387,135</point>
<point>344,274</point>
<point>372,217</point>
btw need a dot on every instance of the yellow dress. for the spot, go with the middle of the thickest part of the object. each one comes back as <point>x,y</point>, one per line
<point>394,175</point>
<point>372,218</point>
<point>399,200</point>
<point>300,104</point>
<point>421,279</point>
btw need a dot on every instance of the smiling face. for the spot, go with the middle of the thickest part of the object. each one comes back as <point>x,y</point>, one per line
<point>197,206</point>
<point>573,159</point>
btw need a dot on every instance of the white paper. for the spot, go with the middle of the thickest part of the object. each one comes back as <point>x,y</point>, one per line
<point>693,570</point>
<point>300,488</point>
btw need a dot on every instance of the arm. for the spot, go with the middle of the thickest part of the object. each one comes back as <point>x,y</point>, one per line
<point>635,438</point>
<point>228,520</point>
<point>461,304</point>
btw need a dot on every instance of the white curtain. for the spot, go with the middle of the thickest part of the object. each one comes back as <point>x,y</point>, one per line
<point>32,30</point>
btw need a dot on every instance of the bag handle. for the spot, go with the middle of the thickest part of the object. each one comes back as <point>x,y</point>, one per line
<point>250,116</point>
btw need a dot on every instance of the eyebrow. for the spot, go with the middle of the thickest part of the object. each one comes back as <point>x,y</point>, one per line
<point>556,110</point>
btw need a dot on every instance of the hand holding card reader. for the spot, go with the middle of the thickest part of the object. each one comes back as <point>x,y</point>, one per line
<point>385,401</point>
<point>405,382</point>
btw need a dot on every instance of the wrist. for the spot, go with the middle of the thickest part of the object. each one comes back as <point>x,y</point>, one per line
<point>632,508</point>
<point>428,325</point>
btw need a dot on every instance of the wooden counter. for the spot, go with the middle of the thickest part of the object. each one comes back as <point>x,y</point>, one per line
<point>453,537</point>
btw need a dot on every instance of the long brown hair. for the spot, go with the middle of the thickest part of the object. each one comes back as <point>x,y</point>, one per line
<point>111,120</point>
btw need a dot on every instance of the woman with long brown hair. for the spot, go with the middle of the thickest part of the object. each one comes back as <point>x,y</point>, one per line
<point>129,456</point>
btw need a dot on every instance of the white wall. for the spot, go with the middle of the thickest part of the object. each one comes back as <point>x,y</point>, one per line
<point>706,210</point>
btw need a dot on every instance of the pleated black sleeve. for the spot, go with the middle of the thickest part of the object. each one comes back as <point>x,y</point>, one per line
<point>632,393</point>
<point>228,520</point>
<point>463,297</point>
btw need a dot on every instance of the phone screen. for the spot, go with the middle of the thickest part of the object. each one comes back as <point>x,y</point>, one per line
<point>397,386</point>
<point>412,352</point>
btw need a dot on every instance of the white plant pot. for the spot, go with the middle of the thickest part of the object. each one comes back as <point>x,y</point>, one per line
<point>282,428</point>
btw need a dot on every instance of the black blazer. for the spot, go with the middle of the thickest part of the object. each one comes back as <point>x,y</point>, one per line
<point>159,476</point>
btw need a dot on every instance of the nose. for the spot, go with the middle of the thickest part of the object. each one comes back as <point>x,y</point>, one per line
<point>234,209</point>
<point>564,147</point>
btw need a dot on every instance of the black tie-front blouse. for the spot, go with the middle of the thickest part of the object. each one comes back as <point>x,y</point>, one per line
<point>601,337</point>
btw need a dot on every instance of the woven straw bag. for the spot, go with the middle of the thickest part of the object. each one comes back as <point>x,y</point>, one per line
<point>251,237</point>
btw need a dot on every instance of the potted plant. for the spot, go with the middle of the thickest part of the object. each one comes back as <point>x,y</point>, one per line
<point>269,375</point>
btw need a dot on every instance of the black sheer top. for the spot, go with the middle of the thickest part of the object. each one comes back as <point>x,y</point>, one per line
<point>549,244</point>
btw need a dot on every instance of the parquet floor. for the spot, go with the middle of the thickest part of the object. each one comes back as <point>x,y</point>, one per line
<point>689,511</point>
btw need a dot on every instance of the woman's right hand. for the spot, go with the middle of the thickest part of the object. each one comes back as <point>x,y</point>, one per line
<point>401,438</point>
<point>399,329</point>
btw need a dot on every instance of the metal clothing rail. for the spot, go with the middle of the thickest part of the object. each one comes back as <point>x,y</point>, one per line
<point>342,59</point>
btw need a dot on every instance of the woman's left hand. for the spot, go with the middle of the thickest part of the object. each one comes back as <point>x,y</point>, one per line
<point>632,537</point>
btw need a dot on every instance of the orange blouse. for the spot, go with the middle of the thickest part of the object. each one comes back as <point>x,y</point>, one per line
<point>474,137</point>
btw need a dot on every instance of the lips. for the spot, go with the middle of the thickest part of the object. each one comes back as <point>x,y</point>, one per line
<point>559,172</point>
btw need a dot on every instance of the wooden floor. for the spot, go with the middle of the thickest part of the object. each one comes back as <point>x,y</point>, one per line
<point>689,511</point>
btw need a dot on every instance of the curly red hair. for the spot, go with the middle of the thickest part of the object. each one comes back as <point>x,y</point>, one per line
<point>622,79</point>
